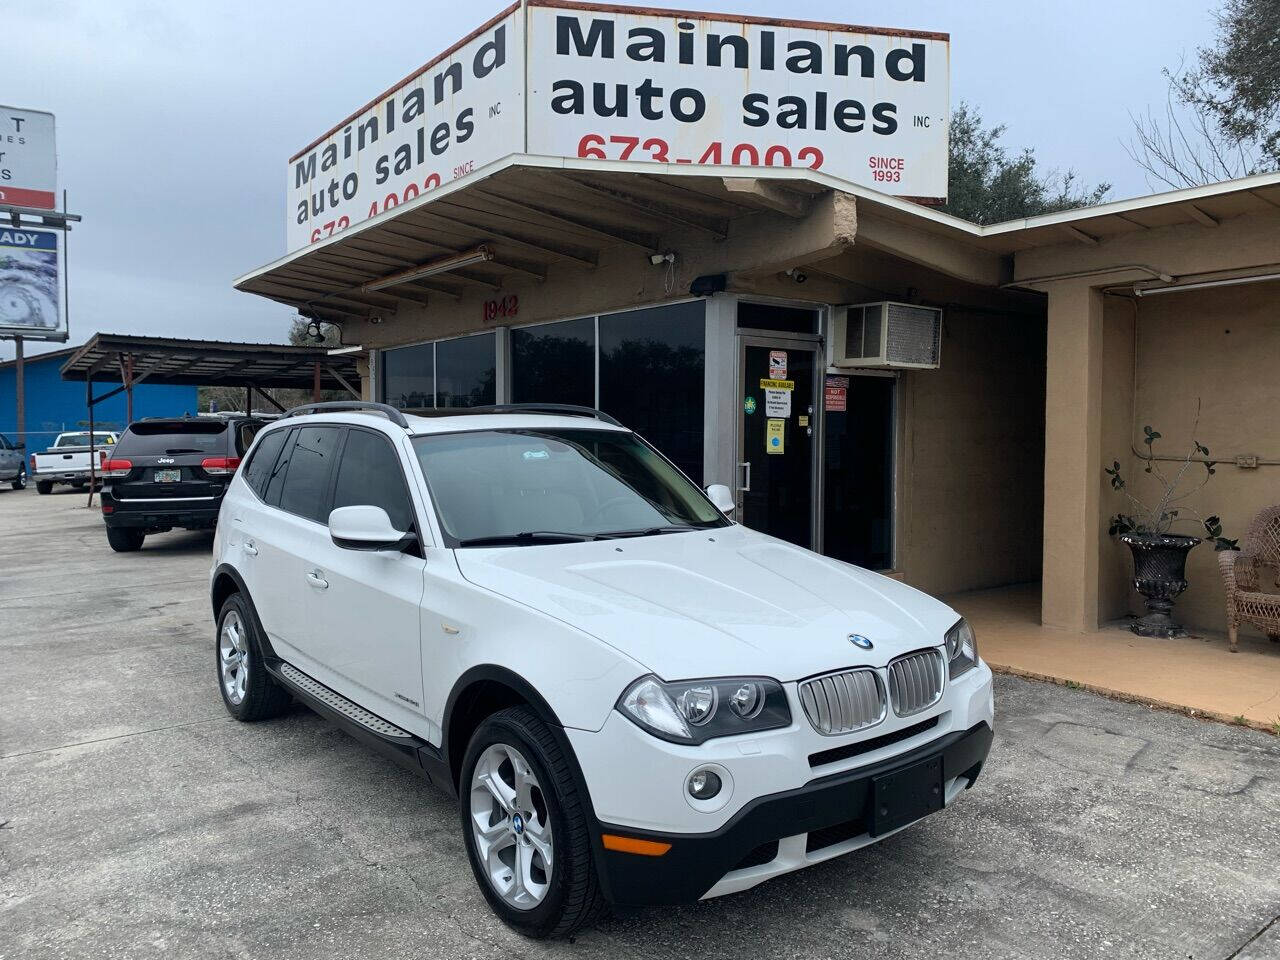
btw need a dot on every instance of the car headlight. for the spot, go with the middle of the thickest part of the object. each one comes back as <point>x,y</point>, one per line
<point>694,711</point>
<point>962,649</point>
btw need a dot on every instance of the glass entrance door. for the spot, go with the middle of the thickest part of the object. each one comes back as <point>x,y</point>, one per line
<point>778,437</point>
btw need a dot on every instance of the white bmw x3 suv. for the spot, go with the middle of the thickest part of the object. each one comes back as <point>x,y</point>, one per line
<point>635,700</point>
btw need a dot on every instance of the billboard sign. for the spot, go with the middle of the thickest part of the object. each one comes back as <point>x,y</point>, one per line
<point>561,79</point>
<point>28,159</point>
<point>31,302</point>
<point>458,113</point>
<point>865,105</point>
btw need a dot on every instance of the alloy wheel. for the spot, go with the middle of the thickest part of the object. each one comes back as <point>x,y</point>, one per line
<point>511,825</point>
<point>233,657</point>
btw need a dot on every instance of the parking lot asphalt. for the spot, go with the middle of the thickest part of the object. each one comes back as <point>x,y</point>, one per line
<point>138,820</point>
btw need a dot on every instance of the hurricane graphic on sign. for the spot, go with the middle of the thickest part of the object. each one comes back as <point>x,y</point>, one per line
<point>28,280</point>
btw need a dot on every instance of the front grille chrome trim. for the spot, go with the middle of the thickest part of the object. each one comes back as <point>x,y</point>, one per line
<point>915,682</point>
<point>844,702</point>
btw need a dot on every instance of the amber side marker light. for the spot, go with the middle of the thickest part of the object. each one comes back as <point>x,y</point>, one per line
<point>645,848</point>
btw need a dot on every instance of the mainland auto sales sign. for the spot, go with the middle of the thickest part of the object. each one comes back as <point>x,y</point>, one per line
<point>559,79</point>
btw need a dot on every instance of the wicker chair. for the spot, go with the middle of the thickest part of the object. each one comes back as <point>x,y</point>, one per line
<point>1241,571</point>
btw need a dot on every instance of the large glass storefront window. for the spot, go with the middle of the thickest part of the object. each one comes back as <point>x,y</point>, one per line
<point>651,362</point>
<point>554,363</point>
<point>466,371</point>
<point>409,376</point>
<point>652,366</point>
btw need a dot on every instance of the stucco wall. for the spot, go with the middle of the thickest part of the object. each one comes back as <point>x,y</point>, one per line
<point>1222,346</point>
<point>1115,566</point>
<point>971,466</point>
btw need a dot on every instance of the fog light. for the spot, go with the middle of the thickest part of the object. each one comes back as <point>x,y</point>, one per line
<point>703,784</point>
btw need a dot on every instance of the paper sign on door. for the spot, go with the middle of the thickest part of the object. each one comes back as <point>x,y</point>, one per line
<point>777,364</point>
<point>775,436</point>
<point>777,403</point>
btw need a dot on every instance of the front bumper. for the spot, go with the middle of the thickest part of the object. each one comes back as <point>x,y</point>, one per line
<point>778,833</point>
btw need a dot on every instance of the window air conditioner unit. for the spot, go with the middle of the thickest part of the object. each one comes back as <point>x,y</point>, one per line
<point>887,335</point>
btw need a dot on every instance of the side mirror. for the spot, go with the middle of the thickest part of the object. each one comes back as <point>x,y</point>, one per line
<point>722,497</point>
<point>366,527</point>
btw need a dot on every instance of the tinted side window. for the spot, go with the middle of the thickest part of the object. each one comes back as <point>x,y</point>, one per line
<point>258,470</point>
<point>306,482</point>
<point>275,480</point>
<point>246,430</point>
<point>370,474</point>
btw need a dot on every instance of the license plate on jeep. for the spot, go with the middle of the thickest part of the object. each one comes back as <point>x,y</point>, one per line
<point>905,795</point>
<point>167,476</point>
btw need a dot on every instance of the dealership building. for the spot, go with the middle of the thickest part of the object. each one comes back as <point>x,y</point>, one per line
<point>718,231</point>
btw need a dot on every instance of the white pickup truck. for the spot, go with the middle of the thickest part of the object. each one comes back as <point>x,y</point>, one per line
<point>67,461</point>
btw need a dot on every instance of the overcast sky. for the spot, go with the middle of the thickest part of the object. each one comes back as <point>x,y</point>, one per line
<point>175,120</point>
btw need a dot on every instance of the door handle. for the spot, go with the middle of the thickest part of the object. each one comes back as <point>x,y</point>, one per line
<point>314,578</point>
<point>250,549</point>
<point>745,476</point>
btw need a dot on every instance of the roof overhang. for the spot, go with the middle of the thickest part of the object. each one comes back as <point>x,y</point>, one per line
<point>164,360</point>
<point>515,218</point>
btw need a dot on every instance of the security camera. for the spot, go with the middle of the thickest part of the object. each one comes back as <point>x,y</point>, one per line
<point>798,275</point>
<point>658,259</point>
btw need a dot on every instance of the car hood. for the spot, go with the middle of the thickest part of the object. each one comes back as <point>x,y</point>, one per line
<point>721,602</point>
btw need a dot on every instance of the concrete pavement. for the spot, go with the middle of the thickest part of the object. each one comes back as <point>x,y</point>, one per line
<point>137,820</point>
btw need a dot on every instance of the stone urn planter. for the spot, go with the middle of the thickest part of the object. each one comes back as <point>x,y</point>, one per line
<point>1160,575</point>
<point>1160,556</point>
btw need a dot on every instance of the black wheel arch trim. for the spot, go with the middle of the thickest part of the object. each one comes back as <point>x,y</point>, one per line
<point>225,569</point>
<point>509,678</point>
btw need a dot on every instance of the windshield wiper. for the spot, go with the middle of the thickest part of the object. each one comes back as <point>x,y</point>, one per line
<point>647,531</point>
<point>525,538</point>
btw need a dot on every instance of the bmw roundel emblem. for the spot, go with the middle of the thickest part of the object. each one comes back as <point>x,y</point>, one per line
<point>858,640</point>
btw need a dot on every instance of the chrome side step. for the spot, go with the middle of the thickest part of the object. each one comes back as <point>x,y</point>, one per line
<point>336,701</point>
<point>402,746</point>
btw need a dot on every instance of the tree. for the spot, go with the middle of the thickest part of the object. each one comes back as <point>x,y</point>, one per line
<point>987,185</point>
<point>1222,116</point>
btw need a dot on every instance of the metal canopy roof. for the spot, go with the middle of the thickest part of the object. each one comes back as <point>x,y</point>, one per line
<point>208,363</point>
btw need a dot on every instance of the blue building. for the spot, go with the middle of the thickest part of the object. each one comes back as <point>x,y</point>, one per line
<point>55,405</point>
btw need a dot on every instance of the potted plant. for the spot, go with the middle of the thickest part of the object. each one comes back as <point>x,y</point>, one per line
<point>1159,555</point>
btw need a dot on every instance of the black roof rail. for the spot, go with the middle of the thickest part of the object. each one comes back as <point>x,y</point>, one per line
<point>555,409</point>
<point>339,406</point>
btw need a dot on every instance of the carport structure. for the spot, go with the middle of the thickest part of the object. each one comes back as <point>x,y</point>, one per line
<point>129,361</point>
<point>132,360</point>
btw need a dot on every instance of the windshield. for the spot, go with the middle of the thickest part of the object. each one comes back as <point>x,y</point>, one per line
<point>514,487</point>
<point>82,439</point>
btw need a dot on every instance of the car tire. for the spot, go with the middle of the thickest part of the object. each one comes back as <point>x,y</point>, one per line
<point>570,895</point>
<point>123,540</point>
<point>248,691</point>
<point>20,481</point>
<point>44,487</point>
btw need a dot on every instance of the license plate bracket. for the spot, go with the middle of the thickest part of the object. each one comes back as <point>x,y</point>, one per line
<point>167,476</point>
<point>905,796</point>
